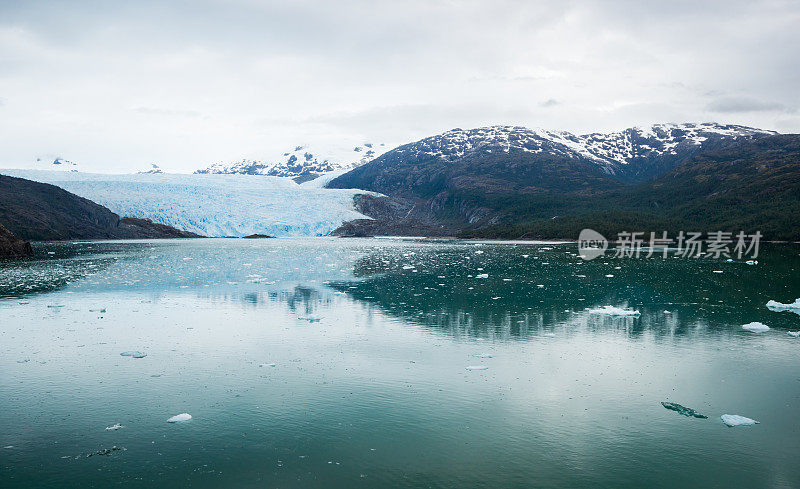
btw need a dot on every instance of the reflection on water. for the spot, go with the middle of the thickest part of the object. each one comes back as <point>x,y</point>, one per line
<point>338,363</point>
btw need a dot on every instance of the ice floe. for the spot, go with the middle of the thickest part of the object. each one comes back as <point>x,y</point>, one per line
<point>614,311</point>
<point>779,306</point>
<point>178,418</point>
<point>794,334</point>
<point>114,427</point>
<point>134,354</point>
<point>482,275</point>
<point>736,420</point>
<point>685,411</point>
<point>756,327</point>
<point>477,367</point>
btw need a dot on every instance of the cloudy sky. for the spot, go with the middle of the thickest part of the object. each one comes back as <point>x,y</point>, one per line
<point>184,84</point>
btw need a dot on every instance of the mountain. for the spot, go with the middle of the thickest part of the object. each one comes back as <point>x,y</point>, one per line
<point>748,186</point>
<point>212,205</point>
<point>12,246</point>
<point>511,182</point>
<point>303,163</point>
<point>635,154</point>
<point>38,211</point>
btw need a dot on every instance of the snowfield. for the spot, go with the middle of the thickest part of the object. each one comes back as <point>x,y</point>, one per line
<point>212,205</point>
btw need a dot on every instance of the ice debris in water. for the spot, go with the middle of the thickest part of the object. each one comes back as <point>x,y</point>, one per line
<point>756,327</point>
<point>114,427</point>
<point>794,334</point>
<point>779,306</point>
<point>134,354</point>
<point>477,367</point>
<point>105,452</point>
<point>614,311</point>
<point>482,275</point>
<point>179,418</point>
<point>736,420</point>
<point>689,412</point>
<point>484,355</point>
<point>267,365</point>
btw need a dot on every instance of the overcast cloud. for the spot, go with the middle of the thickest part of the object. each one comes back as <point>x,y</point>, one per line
<point>117,87</point>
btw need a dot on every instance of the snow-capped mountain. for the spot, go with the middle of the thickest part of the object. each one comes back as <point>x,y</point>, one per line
<point>212,205</point>
<point>631,151</point>
<point>302,162</point>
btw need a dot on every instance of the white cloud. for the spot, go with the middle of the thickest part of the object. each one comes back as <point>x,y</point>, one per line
<point>117,86</point>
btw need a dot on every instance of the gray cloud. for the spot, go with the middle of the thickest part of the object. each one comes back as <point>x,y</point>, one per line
<point>174,81</point>
<point>166,112</point>
<point>745,104</point>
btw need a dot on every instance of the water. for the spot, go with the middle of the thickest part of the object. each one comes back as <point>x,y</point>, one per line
<point>343,363</point>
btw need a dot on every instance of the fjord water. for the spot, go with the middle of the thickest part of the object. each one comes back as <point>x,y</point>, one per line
<point>343,363</point>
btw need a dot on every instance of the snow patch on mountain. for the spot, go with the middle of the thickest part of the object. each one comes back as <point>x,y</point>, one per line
<point>303,161</point>
<point>607,150</point>
<point>212,205</point>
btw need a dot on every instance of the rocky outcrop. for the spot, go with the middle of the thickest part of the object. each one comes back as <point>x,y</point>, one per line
<point>392,217</point>
<point>134,228</point>
<point>11,246</point>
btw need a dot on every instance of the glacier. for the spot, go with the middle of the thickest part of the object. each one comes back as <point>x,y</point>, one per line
<point>212,205</point>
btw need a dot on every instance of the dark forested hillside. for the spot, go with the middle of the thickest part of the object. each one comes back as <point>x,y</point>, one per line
<point>749,185</point>
<point>39,211</point>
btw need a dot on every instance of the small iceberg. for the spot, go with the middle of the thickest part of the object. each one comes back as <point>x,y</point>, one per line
<point>482,275</point>
<point>683,410</point>
<point>179,418</point>
<point>266,365</point>
<point>779,306</point>
<point>736,420</point>
<point>614,311</point>
<point>477,367</point>
<point>114,427</point>
<point>134,354</point>
<point>794,334</point>
<point>756,327</point>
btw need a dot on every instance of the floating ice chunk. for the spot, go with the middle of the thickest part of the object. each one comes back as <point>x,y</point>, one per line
<point>756,327</point>
<point>134,354</point>
<point>779,306</point>
<point>752,262</point>
<point>477,367</point>
<point>114,427</point>
<point>482,275</point>
<point>736,420</point>
<point>105,452</point>
<point>478,252</point>
<point>794,334</point>
<point>685,411</point>
<point>267,365</point>
<point>178,418</point>
<point>483,355</point>
<point>614,311</point>
<point>8,447</point>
